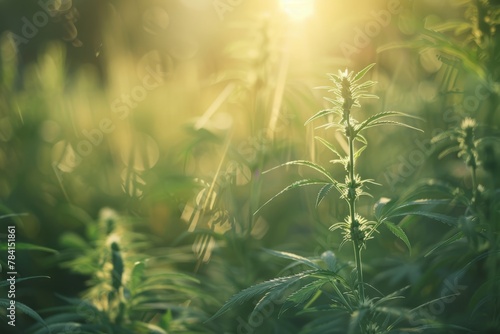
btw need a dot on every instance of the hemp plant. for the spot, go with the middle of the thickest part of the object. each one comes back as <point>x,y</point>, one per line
<point>326,281</point>
<point>130,291</point>
<point>476,146</point>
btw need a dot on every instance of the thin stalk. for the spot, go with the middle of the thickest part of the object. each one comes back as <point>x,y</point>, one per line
<point>352,207</point>
<point>357,257</point>
<point>474,183</point>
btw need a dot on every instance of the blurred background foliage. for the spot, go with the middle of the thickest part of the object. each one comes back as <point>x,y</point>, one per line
<point>168,112</point>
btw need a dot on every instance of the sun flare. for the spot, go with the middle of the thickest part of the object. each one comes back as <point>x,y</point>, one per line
<point>298,10</point>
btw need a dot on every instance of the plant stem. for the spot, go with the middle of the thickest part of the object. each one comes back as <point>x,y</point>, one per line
<point>357,257</point>
<point>352,207</point>
<point>474,183</point>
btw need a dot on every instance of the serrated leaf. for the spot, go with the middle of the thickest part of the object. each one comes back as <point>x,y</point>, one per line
<point>306,163</point>
<point>294,257</point>
<point>389,209</point>
<point>320,114</point>
<point>429,188</point>
<point>323,192</point>
<point>362,73</point>
<point>382,208</point>
<point>23,308</point>
<point>376,117</point>
<point>377,123</point>
<point>398,232</point>
<point>301,183</point>
<point>449,220</point>
<point>482,295</point>
<point>328,146</point>
<point>257,290</point>
<point>367,84</point>
<point>302,295</point>
<point>447,241</point>
<point>423,202</point>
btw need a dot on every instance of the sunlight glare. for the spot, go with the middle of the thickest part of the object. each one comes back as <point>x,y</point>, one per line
<point>298,10</point>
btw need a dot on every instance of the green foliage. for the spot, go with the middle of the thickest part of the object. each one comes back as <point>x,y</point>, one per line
<point>299,291</point>
<point>6,302</point>
<point>362,213</point>
<point>129,291</point>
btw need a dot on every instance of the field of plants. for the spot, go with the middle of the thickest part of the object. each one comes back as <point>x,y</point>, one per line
<point>249,166</point>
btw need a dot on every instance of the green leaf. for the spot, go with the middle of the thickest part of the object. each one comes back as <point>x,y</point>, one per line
<point>376,117</point>
<point>429,188</point>
<point>70,327</point>
<point>449,150</point>
<point>294,257</point>
<point>367,84</point>
<point>362,73</point>
<point>136,277</point>
<point>328,146</point>
<point>358,152</point>
<point>383,207</point>
<point>303,295</point>
<point>10,214</point>
<point>257,290</point>
<point>483,295</point>
<point>449,220</point>
<point>455,237</point>
<point>398,232</point>
<point>309,164</point>
<point>6,283</point>
<point>468,58</point>
<point>366,96</point>
<point>377,123</point>
<point>148,328</point>
<point>386,209</point>
<point>451,25</point>
<point>301,183</point>
<point>23,308</point>
<point>166,319</point>
<point>320,114</point>
<point>356,319</point>
<point>73,240</point>
<point>323,192</point>
<point>26,246</point>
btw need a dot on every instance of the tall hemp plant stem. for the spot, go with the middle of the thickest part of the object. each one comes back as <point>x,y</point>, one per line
<point>352,213</point>
<point>349,130</point>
